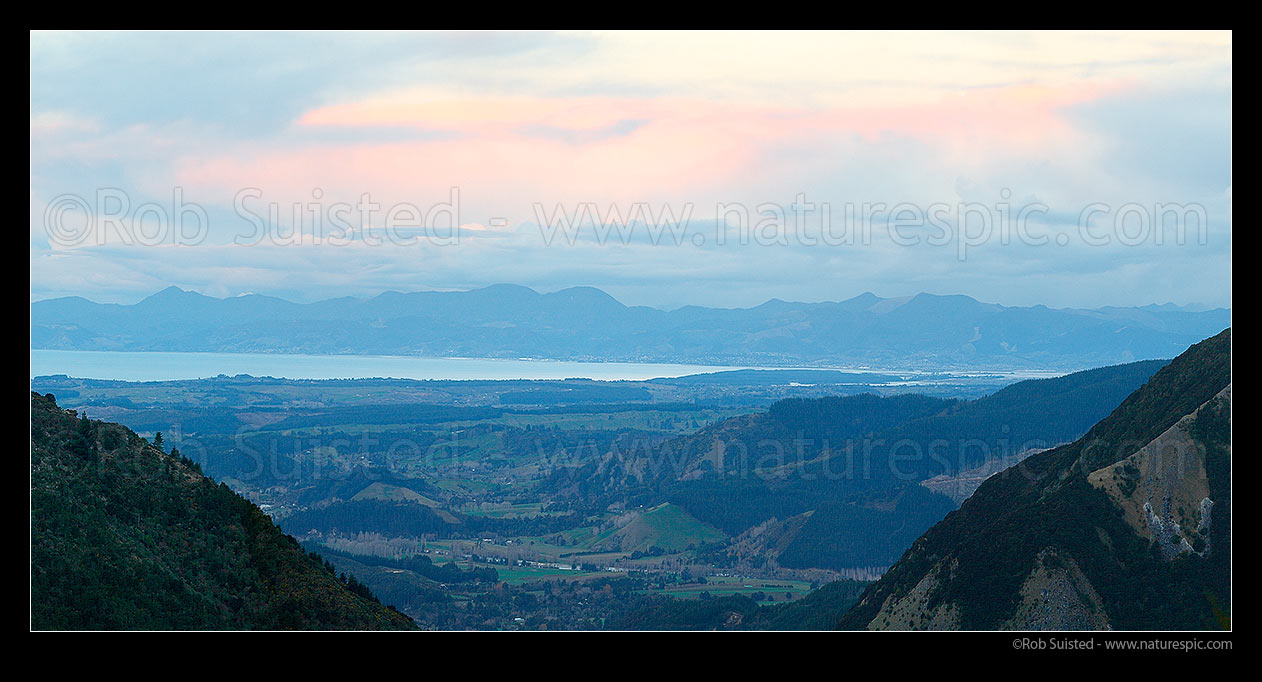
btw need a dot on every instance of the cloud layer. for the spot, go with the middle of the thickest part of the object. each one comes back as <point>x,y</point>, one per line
<point>523,123</point>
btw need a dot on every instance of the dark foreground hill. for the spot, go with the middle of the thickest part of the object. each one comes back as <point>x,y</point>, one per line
<point>1128,527</point>
<point>125,536</point>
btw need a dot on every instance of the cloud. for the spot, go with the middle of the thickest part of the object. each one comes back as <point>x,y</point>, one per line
<point>516,120</point>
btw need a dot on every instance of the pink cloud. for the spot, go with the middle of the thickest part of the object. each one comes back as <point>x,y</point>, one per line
<point>499,151</point>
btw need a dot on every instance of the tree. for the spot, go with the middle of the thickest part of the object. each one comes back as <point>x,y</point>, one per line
<point>83,442</point>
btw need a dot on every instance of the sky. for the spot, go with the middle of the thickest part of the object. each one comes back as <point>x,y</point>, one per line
<point>667,168</point>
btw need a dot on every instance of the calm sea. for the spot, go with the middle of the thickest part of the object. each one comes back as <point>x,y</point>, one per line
<point>150,366</point>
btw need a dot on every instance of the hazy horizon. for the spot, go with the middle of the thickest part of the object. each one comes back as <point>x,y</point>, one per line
<point>1193,306</point>
<point>695,330</point>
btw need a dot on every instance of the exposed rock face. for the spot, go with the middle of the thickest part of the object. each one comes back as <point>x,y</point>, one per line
<point>1057,596</point>
<point>1082,536</point>
<point>1163,488</point>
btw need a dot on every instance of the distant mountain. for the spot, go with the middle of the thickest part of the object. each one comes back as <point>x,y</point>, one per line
<point>1128,528</point>
<point>584,323</point>
<point>125,536</point>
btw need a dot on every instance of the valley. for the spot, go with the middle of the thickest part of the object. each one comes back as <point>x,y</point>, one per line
<point>580,504</point>
<point>701,330</point>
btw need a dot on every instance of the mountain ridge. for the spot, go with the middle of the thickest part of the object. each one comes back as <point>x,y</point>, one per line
<point>587,324</point>
<point>125,536</point>
<point>1053,523</point>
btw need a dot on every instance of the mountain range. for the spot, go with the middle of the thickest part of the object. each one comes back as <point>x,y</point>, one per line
<point>584,323</point>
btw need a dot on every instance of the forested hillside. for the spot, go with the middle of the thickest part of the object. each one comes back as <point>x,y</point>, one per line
<point>126,536</point>
<point>1128,527</point>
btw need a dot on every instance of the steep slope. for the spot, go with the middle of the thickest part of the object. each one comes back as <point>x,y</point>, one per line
<point>1104,532</point>
<point>125,536</point>
<point>1163,489</point>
